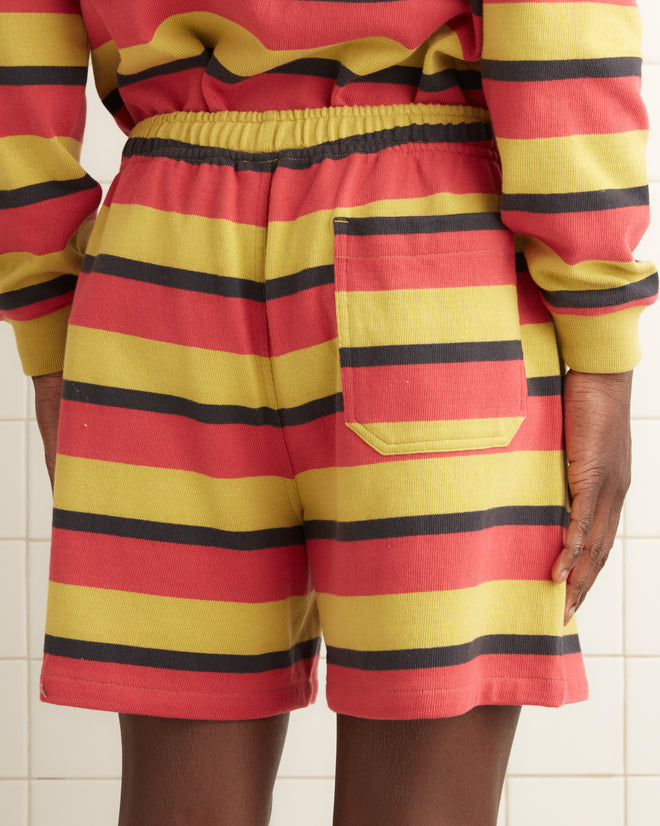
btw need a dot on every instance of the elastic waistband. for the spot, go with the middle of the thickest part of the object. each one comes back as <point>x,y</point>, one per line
<point>273,131</point>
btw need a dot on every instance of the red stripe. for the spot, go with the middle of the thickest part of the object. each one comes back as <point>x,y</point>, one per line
<point>306,29</point>
<point>585,236</point>
<point>589,106</point>
<point>173,570</point>
<point>434,563</point>
<point>301,320</point>
<point>190,189</point>
<point>492,679</point>
<point>40,6</point>
<point>432,392</point>
<point>163,692</point>
<point>530,304</point>
<point>28,105</point>
<point>396,172</point>
<point>414,245</point>
<point>428,268</point>
<point>327,442</point>
<point>114,434</point>
<point>18,223</point>
<point>176,316</point>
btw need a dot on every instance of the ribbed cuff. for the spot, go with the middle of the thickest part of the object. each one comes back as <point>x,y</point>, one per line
<point>41,342</point>
<point>607,343</point>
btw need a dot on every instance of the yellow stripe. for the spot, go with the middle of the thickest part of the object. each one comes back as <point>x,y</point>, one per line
<point>441,618</point>
<point>28,159</point>
<point>173,239</point>
<point>539,343</point>
<point>554,273</point>
<point>105,62</point>
<point>305,375</point>
<point>573,163</point>
<point>166,495</point>
<point>194,625</point>
<point>244,54</point>
<point>448,314</point>
<point>205,376</point>
<point>41,342</point>
<point>560,31</point>
<point>43,39</point>
<point>449,484</point>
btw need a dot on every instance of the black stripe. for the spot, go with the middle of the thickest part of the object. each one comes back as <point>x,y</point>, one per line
<point>589,299</point>
<point>175,277</point>
<point>451,353</point>
<point>521,263</point>
<point>43,75</point>
<point>205,413</point>
<point>539,70</point>
<point>593,201</point>
<point>209,283</point>
<point>178,534</point>
<point>113,101</point>
<point>477,7</point>
<point>38,292</point>
<point>335,70</point>
<point>171,67</point>
<point>412,224</point>
<point>523,644</point>
<point>180,660</point>
<point>450,79</point>
<point>306,157</point>
<point>435,524</point>
<point>35,193</point>
<point>544,386</point>
<point>298,282</point>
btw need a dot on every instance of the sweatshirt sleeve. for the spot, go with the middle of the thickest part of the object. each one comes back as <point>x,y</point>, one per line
<point>562,84</point>
<point>47,201</point>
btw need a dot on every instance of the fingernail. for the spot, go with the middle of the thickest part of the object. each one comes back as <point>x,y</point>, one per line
<point>571,611</point>
<point>563,574</point>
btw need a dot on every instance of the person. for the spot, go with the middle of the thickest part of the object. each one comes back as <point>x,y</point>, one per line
<point>349,351</point>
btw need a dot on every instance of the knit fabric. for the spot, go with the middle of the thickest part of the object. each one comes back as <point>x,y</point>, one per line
<point>306,391</point>
<point>560,79</point>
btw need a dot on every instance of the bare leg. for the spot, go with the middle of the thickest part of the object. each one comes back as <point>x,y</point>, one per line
<point>199,773</point>
<point>444,772</point>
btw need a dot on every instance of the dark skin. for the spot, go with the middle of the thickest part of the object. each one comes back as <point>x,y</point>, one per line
<point>443,772</point>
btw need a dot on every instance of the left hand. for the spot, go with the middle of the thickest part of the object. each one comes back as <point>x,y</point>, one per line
<point>598,450</point>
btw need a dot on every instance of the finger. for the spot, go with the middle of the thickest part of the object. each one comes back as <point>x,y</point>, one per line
<point>592,559</point>
<point>583,576</point>
<point>579,527</point>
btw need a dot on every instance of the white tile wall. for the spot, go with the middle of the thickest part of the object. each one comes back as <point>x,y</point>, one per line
<point>593,763</point>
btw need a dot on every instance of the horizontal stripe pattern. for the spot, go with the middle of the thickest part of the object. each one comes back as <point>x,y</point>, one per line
<point>231,348</point>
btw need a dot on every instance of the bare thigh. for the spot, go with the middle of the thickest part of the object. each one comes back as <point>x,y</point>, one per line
<point>445,772</point>
<point>199,772</point>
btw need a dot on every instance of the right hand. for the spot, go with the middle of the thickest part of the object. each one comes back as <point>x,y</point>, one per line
<point>47,396</point>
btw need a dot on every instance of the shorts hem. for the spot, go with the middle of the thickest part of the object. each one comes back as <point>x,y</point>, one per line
<point>452,701</point>
<point>162,702</point>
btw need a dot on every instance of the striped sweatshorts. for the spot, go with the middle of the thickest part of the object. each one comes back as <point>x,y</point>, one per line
<point>311,392</point>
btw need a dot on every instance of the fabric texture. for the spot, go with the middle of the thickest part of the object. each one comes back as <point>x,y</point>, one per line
<point>290,408</point>
<point>561,80</point>
<point>314,361</point>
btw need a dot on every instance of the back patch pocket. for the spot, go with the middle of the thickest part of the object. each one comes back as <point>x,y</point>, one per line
<point>429,331</point>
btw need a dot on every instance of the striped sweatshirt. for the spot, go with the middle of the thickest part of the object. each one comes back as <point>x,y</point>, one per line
<point>560,79</point>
